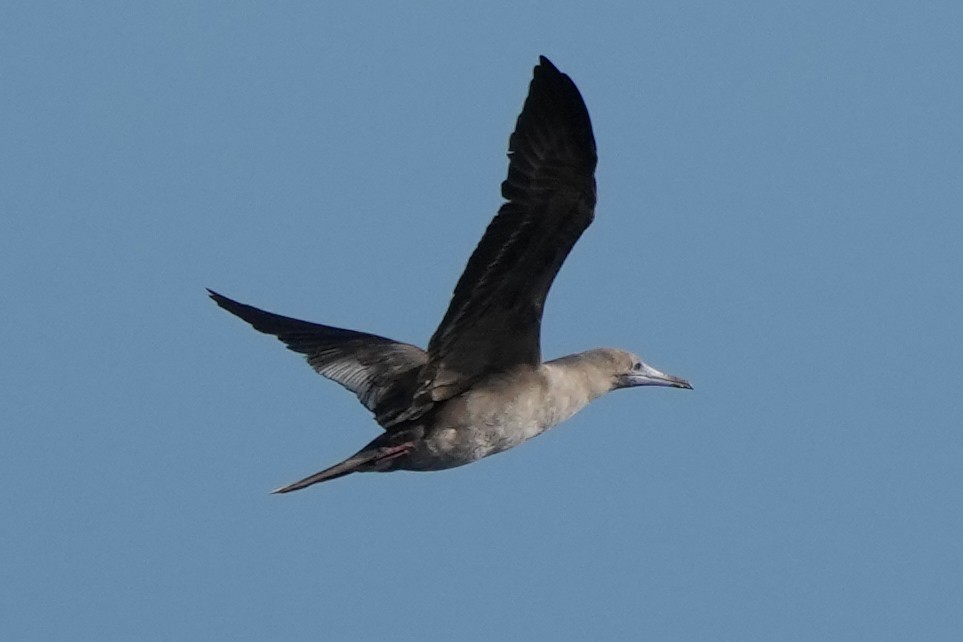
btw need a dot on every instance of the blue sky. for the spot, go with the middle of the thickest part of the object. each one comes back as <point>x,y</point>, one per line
<point>779,221</point>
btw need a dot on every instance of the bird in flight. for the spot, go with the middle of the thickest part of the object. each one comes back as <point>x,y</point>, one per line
<point>481,387</point>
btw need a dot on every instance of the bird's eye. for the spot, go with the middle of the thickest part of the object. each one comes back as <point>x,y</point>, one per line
<point>637,365</point>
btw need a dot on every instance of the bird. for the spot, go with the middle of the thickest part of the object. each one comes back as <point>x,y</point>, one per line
<point>481,386</point>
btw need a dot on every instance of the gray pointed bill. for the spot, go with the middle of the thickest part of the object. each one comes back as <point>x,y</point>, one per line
<point>646,375</point>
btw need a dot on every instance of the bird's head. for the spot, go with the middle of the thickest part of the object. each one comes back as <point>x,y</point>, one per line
<point>627,370</point>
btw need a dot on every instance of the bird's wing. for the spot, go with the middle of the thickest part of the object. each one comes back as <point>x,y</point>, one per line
<point>381,372</point>
<point>494,318</point>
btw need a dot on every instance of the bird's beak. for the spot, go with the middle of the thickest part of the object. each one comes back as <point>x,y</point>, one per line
<point>649,376</point>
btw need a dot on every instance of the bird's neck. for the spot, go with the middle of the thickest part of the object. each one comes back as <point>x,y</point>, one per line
<point>570,385</point>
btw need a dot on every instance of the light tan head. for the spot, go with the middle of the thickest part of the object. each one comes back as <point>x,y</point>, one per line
<point>627,370</point>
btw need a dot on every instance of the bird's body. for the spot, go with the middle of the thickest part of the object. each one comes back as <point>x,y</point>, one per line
<point>499,413</point>
<point>481,387</point>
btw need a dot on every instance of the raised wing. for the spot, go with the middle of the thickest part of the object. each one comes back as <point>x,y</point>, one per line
<point>381,372</point>
<point>495,315</point>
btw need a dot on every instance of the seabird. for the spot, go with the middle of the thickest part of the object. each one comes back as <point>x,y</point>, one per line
<point>481,387</point>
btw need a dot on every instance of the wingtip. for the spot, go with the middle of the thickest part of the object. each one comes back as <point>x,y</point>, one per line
<point>227,303</point>
<point>546,63</point>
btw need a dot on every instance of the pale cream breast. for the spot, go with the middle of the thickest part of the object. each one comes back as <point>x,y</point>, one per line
<point>506,410</point>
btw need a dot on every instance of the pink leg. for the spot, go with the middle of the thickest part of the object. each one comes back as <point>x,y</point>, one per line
<point>390,453</point>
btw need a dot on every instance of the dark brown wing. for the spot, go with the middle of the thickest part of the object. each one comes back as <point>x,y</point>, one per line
<point>495,315</point>
<point>381,372</point>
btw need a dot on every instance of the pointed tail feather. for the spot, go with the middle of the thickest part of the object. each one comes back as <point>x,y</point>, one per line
<point>348,466</point>
<point>378,458</point>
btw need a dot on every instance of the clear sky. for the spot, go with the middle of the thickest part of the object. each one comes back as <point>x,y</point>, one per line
<point>780,221</point>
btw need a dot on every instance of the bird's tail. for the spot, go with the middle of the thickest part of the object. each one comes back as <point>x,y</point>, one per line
<point>369,459</point>
<point>348,466</point>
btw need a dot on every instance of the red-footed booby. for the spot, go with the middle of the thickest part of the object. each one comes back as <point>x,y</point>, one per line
<point>481,387</point>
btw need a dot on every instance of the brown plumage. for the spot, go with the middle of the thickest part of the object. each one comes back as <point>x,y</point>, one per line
<point>481,387</point>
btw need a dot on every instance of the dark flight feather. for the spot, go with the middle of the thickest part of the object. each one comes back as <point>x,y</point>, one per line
<point>494,318</point>
<point>381,372</point>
